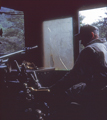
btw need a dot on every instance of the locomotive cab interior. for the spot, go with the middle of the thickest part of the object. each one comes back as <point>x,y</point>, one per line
<point>37,46</point>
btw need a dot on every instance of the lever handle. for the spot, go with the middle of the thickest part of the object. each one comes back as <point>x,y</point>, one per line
<point>37,90</point>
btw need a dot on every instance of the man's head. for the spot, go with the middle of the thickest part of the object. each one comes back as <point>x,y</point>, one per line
<point>87,34</point>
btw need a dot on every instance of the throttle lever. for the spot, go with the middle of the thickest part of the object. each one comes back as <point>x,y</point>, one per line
<point>39,90</point>
<point>18,68</point>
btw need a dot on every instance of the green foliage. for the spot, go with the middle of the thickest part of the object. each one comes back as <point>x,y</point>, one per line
<point>13,32</point>
<point>101,24</point>
<point>81,18</point>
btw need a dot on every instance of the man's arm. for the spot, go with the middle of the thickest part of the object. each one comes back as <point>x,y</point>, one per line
<point>82,70</point>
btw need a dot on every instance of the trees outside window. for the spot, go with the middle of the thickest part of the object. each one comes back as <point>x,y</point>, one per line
<point>96,17</point>
<point>12,24</point>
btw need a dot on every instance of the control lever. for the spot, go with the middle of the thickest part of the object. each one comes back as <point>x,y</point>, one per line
<point>39,90</point>
<point>34,76</point>
<point>4,61</point>
<point>18,68</point>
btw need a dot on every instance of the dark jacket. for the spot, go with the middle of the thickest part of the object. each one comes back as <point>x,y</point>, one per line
<point>90,68</point>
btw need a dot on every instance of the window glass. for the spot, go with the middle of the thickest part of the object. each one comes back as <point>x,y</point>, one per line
<point>58,43</point>
<point>96,17</point>
<point>12,24</point>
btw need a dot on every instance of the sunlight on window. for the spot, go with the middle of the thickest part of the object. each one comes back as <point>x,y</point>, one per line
<point>58,43</point>
<point>93,15</point>
<point>96,17</point>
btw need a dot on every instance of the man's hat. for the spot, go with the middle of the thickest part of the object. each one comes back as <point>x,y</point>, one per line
<point>86,30</point>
